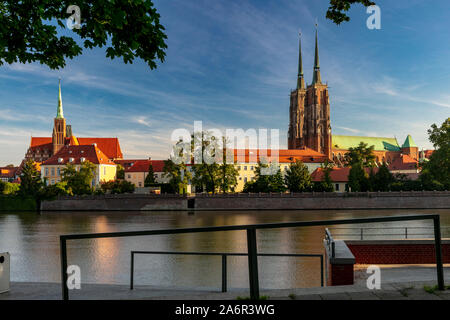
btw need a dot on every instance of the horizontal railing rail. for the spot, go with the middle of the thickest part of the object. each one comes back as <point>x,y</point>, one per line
<point>406,232</point>
<point>224,256</point>
<point>251,241</point>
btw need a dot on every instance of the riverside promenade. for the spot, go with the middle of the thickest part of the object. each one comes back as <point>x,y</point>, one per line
<point>398,283</point>
<point>393,291</point>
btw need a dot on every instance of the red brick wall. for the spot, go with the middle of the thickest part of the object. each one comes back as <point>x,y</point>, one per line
<point>398,253</point>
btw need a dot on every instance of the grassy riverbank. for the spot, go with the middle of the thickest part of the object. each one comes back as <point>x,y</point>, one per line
<point>16,203</point>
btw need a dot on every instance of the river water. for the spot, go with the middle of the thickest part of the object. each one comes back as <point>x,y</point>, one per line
<point>33,242</point>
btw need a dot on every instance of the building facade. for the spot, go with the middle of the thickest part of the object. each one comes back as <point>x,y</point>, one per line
<point>52,169</point>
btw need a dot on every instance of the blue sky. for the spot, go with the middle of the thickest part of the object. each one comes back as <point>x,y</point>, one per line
<point>232,64</point>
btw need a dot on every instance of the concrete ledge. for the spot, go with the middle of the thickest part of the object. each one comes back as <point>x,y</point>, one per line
<point>394,242</point>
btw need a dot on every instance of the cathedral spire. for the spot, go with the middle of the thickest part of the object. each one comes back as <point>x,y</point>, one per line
<point>60,113</point>
<point>301,79</point>
<point>316,76</point>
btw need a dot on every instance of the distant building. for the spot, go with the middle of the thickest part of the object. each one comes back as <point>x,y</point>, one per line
<point>8,174</point>
<point>52,168</point>
<point>339,177</point>
<point>310,124</point>
<point>43,148</point>
<point>138,172</point>
<point>246,162</point>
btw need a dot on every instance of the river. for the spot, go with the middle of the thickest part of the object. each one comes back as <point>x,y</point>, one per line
<point>33,242</point>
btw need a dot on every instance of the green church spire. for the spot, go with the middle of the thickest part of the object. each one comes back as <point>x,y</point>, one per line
<point>60,112</point>
<point>316,75</point>
<point>301,79</point>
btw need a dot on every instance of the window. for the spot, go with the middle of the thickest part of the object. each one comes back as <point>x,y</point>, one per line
<point>245,167</point>
<point>46,171</point>
<point>58,171</point>
<point>252,168</point>
<point>53,171</point>
<point>245,179</point>
<point>129,176</point>
<point>140,184</point>
<point>337,187</point>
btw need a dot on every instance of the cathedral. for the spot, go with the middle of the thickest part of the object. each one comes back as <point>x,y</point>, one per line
<point>310,125</point>
<point>43,148</point>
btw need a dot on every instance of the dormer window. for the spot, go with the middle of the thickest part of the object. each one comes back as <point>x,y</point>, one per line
<point>83,159</point>
<point>60,160</point>
<point>71,160</point>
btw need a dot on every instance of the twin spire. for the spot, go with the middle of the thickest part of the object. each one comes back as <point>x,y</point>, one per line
<point>60,112</point>
<point>316,75</point>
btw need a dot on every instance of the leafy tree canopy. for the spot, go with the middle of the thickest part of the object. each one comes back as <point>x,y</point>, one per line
<point>337,11</point>
<point>362,154</point>
<point>298,178</point>
<point>128,28</point>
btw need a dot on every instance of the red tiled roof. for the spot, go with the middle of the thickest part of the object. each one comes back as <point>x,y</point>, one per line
<point>404,162</point>
<point>143,165</point>
<point>91,153</point>
<point>110,146</point>
<point>337,174</point>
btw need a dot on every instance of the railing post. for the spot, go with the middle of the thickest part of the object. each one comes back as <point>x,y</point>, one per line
<point>438,248</point>
<point>362,234</point>
<point>63,252</point>
<point>321,270</point>
<point>406,232</point>
<point>224,273</point>
<point>253,263</point>
<point>132,271</point>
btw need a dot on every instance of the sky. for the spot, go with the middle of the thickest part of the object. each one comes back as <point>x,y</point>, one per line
<point>232,64</point>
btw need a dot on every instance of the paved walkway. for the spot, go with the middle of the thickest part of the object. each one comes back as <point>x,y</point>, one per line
<point>392,291</point>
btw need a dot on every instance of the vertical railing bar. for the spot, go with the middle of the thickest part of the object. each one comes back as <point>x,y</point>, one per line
<point>63,249</point>
<point>224,273</point>
<point>321,270</point>
<point>253,263</point>
<point>132,271</point>
<point>438,248</point>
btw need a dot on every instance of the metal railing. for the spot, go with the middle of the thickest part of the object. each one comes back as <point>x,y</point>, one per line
<point>330,242</point>
<point>251,242</point>
<point>405,232</point>
<point>224,261</point>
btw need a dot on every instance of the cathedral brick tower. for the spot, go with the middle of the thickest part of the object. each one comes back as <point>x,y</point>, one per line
<point>310,112</point>
<point>59,128</point>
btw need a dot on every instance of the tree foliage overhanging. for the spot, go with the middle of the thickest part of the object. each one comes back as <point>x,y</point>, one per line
<point>128,28</point>
<point>337,11</point>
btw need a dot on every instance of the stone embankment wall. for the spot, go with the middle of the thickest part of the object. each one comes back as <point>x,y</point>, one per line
<point>274,201</point>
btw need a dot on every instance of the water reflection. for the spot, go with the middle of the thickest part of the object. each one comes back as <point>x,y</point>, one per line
<point>33,241</point>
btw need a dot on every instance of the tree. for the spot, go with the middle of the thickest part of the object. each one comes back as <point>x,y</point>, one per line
<point>435,173</point>
<point>362,154</point>
<point>383,179</point>
<point>117,187</point>
<point>150,178</point>
<point>358,180</point>
<point>79,181</point>
<point>30,178</point>
<point>266,183</point>
<point>227,176</point>
<point>54,190</point>
<point>120,172</point>
<point>298,178</point>
<point>337,9</point>
<point>129,28</point>
<point>178,174</point>
<point>326,185</point>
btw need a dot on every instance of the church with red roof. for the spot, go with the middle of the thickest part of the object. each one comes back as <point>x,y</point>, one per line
<point>42,149</point>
